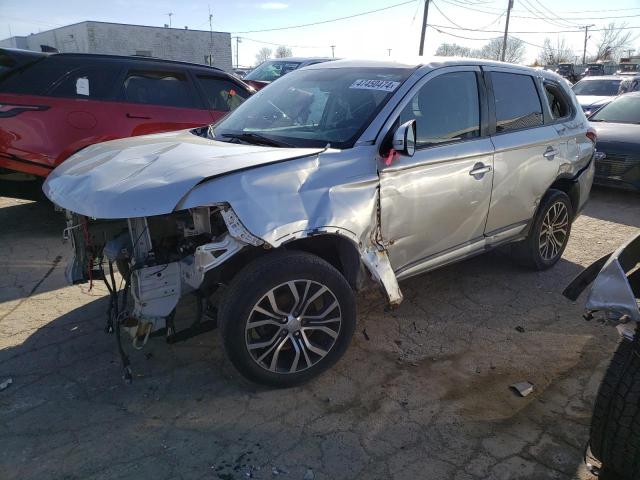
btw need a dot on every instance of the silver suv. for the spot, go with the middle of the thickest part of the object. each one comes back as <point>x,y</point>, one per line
<point>338,175</point>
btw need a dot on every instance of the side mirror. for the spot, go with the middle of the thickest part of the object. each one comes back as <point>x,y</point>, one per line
<point>404,139</point>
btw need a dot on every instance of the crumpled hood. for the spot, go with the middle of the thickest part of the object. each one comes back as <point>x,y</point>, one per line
<point>148,175</point>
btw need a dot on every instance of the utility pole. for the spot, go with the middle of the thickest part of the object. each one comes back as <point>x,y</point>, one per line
<point>506,31</point>
<point>333,51</point>
<point>425,14</point>
<point>586,36</point>
<point>629,51</point>
<point>210,38</point>
<point>170,14</point>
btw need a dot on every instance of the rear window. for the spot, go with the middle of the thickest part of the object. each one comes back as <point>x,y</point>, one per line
<point>517,103</point>
<point>270,71</point>
<point>600,88</point>
<point>95,83</point>
<point>36,78</point>
<point>170,89</point>
<point>222,94</point>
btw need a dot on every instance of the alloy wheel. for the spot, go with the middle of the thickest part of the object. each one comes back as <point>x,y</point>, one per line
<point>554,230</point>
<point>293,326</point>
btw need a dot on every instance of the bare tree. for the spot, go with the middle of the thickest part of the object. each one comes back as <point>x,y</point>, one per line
<point>262,55</point>
<point>554,54</point>
<point>493,50</point>
<point>453,50</point>
<point>613,41</point>
<point>283,52</point>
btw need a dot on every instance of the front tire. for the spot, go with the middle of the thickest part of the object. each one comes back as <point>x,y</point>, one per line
<point>615,425</point>
<point>549,233</point>
<point>287,317</point>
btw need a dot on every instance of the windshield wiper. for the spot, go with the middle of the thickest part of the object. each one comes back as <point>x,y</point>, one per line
<point>258,139</point>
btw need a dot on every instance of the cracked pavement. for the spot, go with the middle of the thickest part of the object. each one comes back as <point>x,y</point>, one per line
<point>422,394</point>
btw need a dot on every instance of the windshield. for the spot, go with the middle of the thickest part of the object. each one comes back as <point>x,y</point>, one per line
<point>624,109</point>
<point>272,70</point>
<point>313,108</point>
<point>601,88</point>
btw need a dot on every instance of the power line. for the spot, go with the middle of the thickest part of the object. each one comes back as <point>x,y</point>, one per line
<point>529,31</point>
<point>453,2</point>
<point>329,21</point>
<point>435,5</point>
<point>461,3</point>
<point>282,44</point>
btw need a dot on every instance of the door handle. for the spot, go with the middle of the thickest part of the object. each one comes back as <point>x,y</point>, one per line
<point>550,154</point>
<point>479,170</point>
<point>142,117</point>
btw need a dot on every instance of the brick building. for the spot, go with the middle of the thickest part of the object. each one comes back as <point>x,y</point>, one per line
<point>122,39</point>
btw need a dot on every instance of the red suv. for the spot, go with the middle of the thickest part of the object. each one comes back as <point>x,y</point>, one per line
<point>51,106</point>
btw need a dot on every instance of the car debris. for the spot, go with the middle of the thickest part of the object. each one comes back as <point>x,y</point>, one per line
<point>4,385</point>
<point>523,388</point>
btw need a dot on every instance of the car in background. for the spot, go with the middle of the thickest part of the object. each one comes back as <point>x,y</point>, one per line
<point>271,70</point>
<point>631,83</point>
<point>594,92</point>
<point>618,128</point>
<point>567,71</point>
<point>53,105</point>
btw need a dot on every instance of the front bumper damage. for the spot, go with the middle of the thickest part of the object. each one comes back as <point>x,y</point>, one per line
<point>154,283</point>
<point>616,287</point>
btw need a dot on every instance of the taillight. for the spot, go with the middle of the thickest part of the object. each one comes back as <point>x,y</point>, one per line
<point>592,135</point>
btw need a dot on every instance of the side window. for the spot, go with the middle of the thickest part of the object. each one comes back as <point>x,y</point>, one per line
<point>95,83</point>
<point>222,95</point>
<point>558,103</point>
<point>37,78</point>
<point>170,89</point>
<point>517,103</point>
<point>446,109</point>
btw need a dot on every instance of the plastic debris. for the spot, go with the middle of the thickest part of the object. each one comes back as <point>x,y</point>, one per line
<point>523,388</point>
<point>4,385</point>
<point>366,335</point>
<point>520,329</point>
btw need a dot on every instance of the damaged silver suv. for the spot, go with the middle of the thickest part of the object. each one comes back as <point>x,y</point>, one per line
<point>338,175</point>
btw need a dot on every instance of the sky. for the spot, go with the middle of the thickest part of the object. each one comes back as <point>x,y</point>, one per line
<point>370,35</point>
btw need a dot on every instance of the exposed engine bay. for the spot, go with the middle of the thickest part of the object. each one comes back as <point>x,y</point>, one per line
<point>159,259</point>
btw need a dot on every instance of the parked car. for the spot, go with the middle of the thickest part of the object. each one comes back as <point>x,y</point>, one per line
<point>614,440</point>
<point>567,70</point>
<point>594,92</point>
<point>336,175</point>
<point>271,70</point>
<point>618,128</point>
<point>55,105</point>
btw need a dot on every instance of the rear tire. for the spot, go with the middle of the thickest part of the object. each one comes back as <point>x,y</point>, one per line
<point>287,317</point>
<point>549,233</point>
<point>615,426</point>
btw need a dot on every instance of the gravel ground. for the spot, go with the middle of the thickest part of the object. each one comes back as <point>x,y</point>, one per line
<point>421,393</point>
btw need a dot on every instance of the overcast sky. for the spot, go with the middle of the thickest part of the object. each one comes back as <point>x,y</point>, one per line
<point>369,35</point>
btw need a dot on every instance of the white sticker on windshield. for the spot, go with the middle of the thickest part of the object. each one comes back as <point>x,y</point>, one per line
<point>384,85</point>
<point>82,86</point>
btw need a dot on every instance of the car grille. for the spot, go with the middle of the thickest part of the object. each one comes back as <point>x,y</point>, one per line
<point>615,165</point>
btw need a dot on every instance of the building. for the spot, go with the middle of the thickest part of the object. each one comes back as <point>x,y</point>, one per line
<point>186,45</point>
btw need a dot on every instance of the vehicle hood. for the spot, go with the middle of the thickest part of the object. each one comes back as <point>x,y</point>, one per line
<point>622,138</point>
<point>149,175</point>
<point>592,100</point>
<point>618,135</point>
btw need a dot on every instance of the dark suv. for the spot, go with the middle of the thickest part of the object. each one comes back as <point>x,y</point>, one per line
<point>51,106</point>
